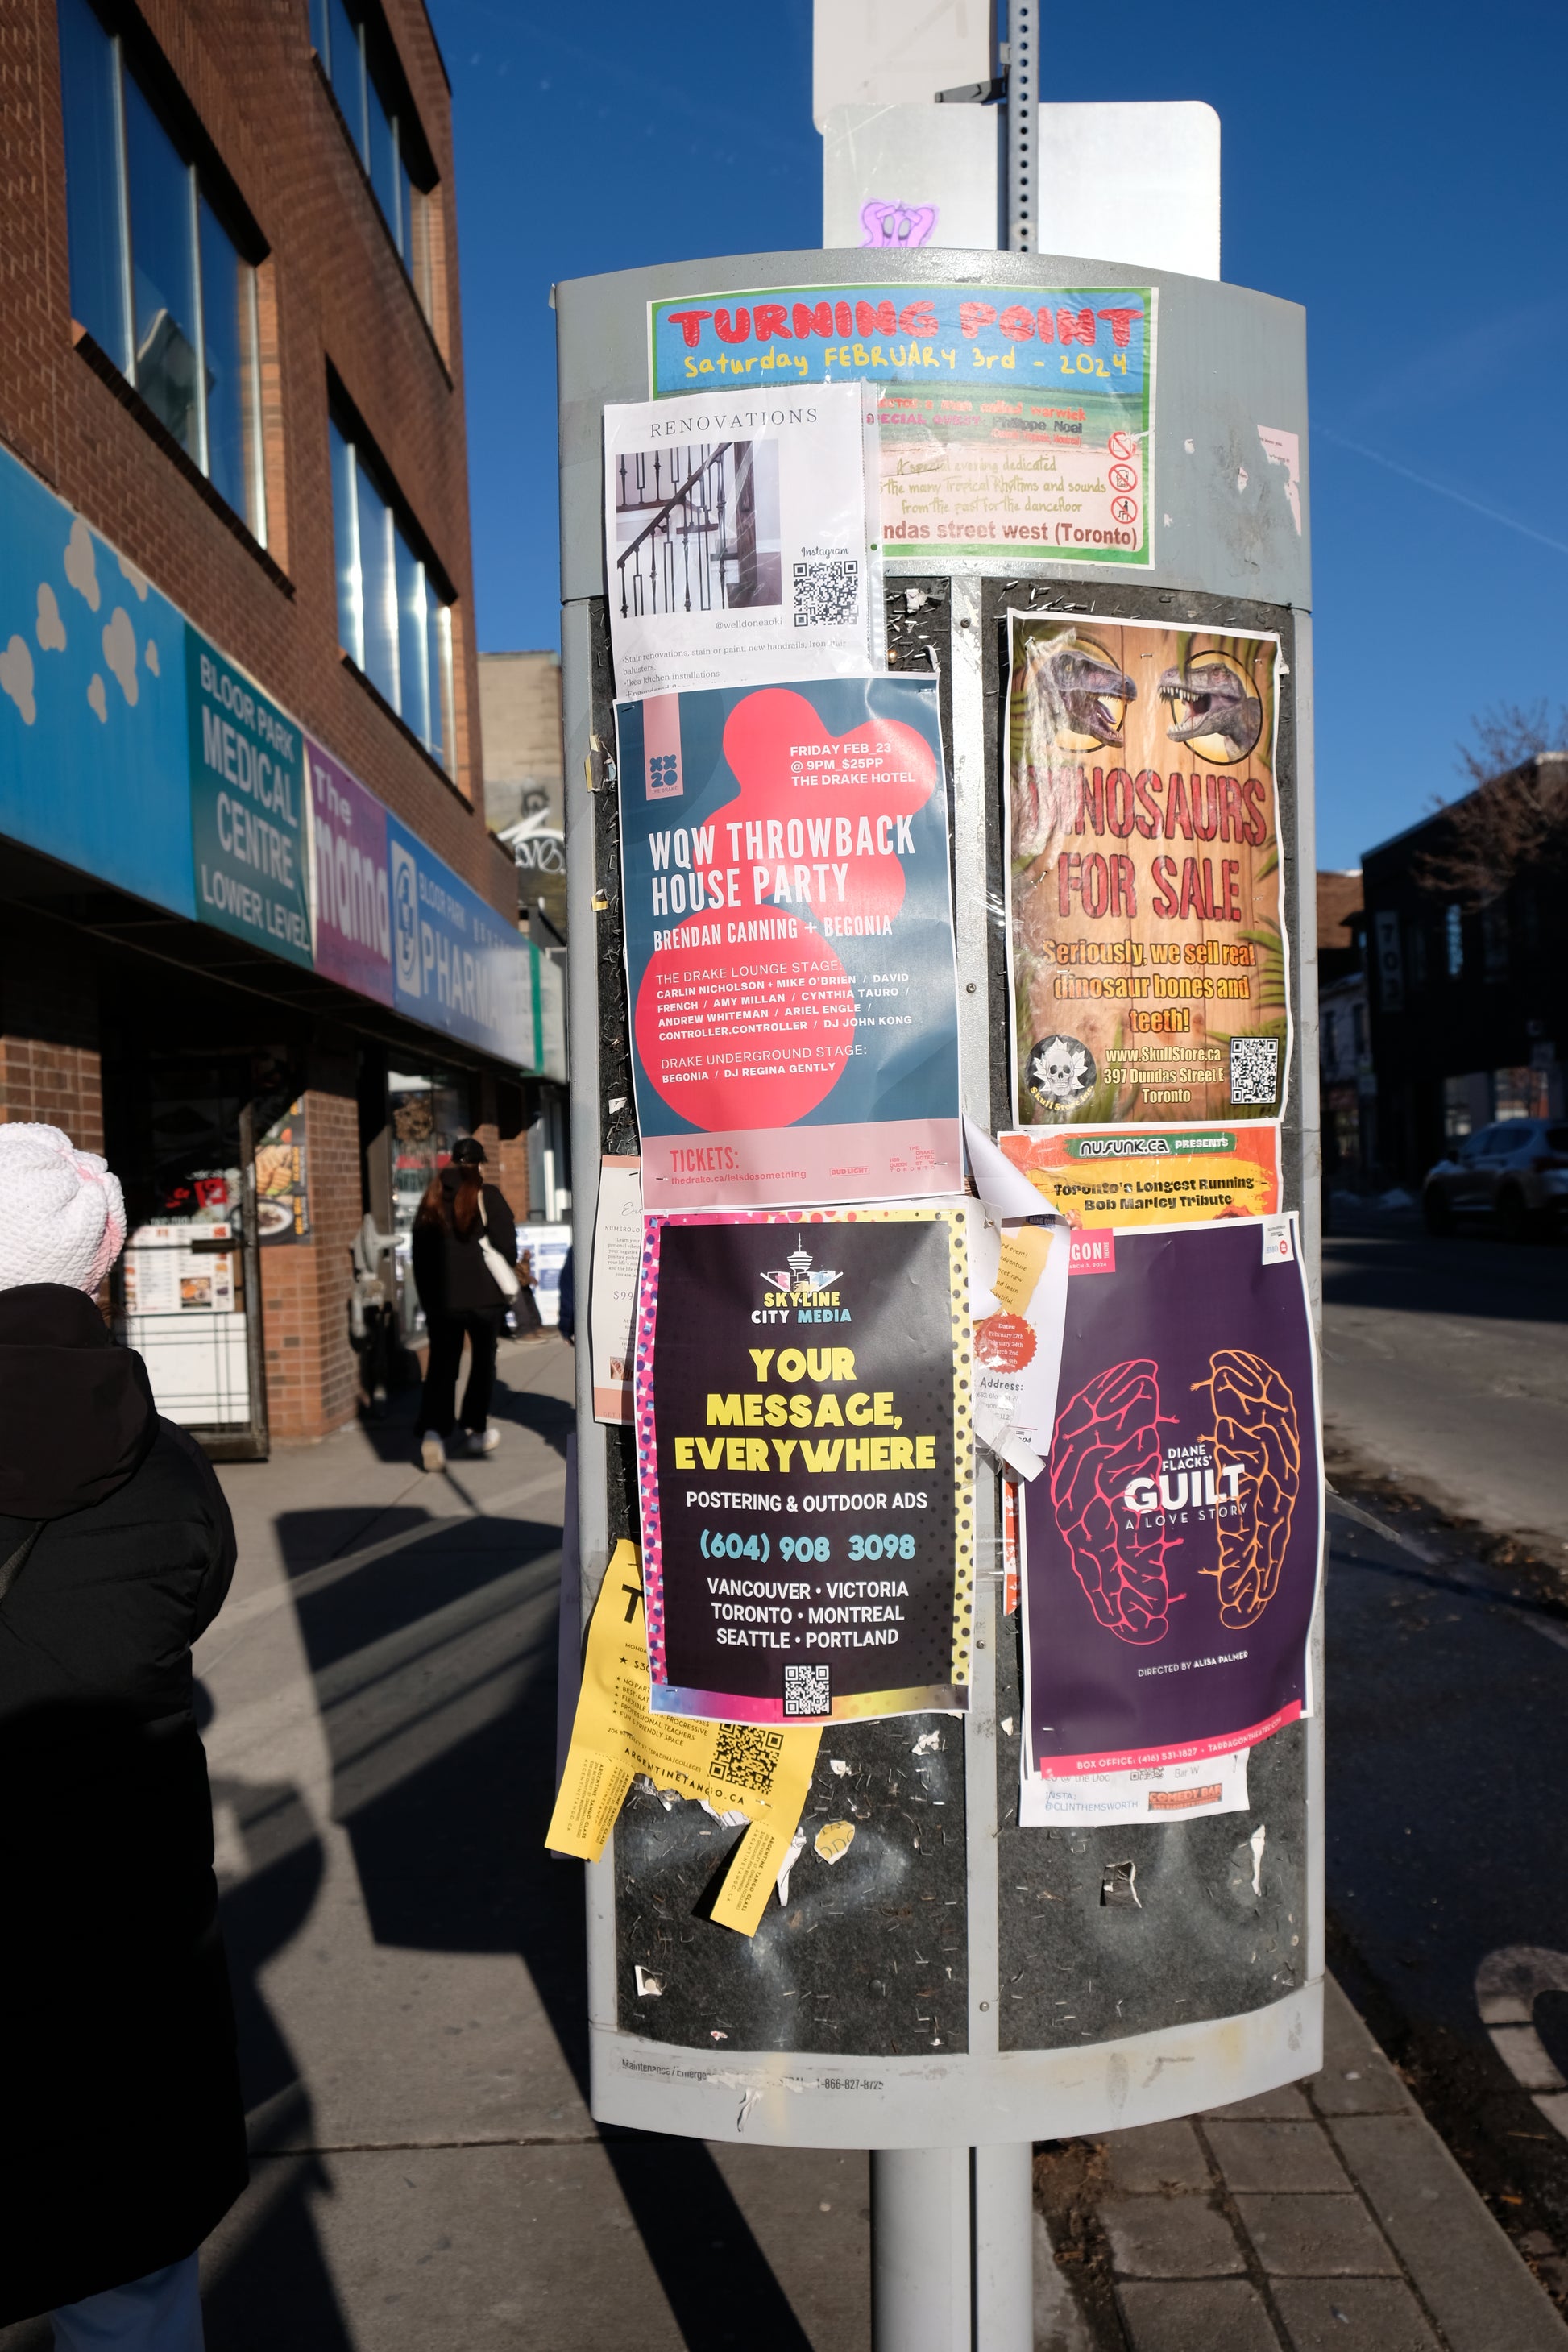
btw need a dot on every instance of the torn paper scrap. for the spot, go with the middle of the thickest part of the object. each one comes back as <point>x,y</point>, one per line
<point>742,1772</point>
<point>1158,1792</point>
<point>1003,1192</point>
<point>649,1987</point>
<point>1017,1306</point>
<point>1283,448</point>
<point>834,1840</point>
<point>790,1858</point>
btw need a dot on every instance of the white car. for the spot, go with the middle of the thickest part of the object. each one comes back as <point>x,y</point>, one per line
<point>1514,1172</point>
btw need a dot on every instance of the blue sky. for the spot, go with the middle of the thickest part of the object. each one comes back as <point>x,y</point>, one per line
<point>1396,167</point>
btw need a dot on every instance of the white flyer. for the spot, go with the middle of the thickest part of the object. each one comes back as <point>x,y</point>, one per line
<point>613,1292</point>
<point>1017,1303</point>
<point>1159,1792</point>
<point>739,531</point>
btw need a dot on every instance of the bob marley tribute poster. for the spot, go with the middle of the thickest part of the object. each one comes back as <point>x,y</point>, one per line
<point>805,1463</point>
<point>1173,1539</point>
<point>1145,935</point>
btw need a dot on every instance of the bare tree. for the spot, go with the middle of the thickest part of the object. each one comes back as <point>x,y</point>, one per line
<point>1515,813</point>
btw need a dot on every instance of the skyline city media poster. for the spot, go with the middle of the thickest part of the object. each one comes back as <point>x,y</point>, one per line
<point>790,964</point>
<point>1145,925</point>
<point>1172,1546</point>
<point>805,1463</point>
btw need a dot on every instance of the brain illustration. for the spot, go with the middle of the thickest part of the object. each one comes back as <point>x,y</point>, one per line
<point>1108,1435</point>
<point>1255,1427</point>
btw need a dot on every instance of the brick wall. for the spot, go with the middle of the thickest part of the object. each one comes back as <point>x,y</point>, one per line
<point>336,304</point>
<point>332,295</point>
<point>49,1065</point>
<point>312,1379</point>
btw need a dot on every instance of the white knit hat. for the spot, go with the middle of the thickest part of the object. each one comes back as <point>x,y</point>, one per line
<point>62,1214</point>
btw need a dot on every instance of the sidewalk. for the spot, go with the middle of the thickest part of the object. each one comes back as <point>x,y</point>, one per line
<point>409,1976</point>
<point>1325,2217</point>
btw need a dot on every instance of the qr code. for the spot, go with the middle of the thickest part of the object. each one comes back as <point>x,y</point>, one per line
<point>806,1691</point>
<point>1255,1070</point>
<point>747,1759</point>
<point>827,595</point>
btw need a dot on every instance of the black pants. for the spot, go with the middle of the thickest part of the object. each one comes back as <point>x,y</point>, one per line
<point>439,1404</point>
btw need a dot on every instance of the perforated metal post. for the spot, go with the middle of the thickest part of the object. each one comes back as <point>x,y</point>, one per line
<point>1022,124</point>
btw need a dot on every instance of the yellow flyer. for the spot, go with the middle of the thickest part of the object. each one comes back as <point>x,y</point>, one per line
<point>749,1769</point>
<point>1124,1176</point>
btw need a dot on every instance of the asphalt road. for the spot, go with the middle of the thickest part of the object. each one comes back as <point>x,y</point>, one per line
<point>1446,1369</point>
<point>1445,1373</point>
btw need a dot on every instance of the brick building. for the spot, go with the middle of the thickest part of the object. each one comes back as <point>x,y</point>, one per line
<point>255,940</point>
<point>1469,998</point>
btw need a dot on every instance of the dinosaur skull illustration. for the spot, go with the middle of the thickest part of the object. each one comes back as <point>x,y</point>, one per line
<point>1084,693</point>
<point>1224,713</point>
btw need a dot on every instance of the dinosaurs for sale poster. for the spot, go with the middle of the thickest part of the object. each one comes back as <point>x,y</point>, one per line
<point>1172,1543</point>
<point>1146,939</point>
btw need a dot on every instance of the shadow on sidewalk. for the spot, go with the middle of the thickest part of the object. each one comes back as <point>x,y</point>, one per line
<point>524,1405</point>
<point>272,2284</point>
<point>434,1671</point>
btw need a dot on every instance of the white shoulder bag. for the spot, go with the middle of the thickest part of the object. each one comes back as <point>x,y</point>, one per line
<point>504,1276</point>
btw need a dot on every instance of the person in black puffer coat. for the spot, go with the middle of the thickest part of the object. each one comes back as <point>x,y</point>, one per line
<point>121,2121</point>
<point>462,1299</point>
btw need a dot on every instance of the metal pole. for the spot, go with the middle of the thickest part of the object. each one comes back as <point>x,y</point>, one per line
<point>1003,2247</point>
<point>1022,125</point>
<point>921,2289</point>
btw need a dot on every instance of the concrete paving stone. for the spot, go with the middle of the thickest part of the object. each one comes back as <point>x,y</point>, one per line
<point>1196,2315</point>
<point>1316,2237</point>
<point>1471,2279</point>
<point>1155,2157</point>
<point>1356,2079</point>
<point>1351,2316</point>
<point>1286,2104</point>
<point>1275,2156</point>
<point>1060,2325</point>
<point>486,2250</point>
<point>1169,2237</point>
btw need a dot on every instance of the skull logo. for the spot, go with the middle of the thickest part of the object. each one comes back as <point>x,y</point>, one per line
<point>1060,1072</point>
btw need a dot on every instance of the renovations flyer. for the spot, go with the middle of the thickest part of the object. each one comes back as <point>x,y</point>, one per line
<point>736,538</point>
<point>788,922</point>
<point>1145,928</point>
<point>805,1463</point>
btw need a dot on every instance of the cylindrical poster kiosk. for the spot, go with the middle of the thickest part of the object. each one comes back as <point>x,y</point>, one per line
<point>1096,477</point>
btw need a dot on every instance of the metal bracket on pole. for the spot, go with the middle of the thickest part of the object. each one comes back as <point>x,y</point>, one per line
<point>1022,125</point>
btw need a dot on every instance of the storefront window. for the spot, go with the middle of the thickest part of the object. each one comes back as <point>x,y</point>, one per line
<point>427,1114</point>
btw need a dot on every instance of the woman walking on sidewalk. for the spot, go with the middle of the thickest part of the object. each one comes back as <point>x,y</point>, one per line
<point>465,1248</point>
<point>122,2124</point>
